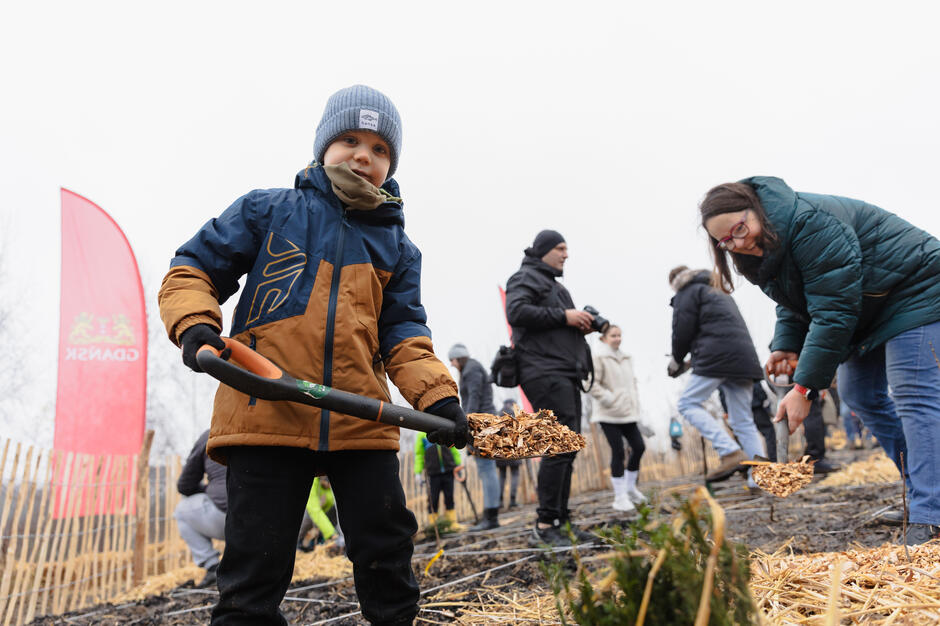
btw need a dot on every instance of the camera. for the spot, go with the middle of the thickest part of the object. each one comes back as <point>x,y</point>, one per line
<point>600,323</point>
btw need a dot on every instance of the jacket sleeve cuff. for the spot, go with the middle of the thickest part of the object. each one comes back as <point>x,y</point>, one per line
<point>192,320</point>
<point>433,396</point>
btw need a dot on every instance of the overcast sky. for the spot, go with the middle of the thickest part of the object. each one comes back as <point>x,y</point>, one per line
<point>605,121</point>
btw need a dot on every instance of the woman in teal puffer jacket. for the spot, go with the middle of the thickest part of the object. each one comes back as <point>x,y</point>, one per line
<point>854,284</point>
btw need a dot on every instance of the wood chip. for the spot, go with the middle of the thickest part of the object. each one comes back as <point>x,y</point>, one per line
<point>782,479</point>
<point>522,435</point>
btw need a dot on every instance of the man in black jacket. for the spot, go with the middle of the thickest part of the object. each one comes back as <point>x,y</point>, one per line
<point>708,324</point>
<point>548,334</point>
<point>200,514</point>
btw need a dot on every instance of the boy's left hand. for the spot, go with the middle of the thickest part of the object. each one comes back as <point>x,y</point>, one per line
<point>456,436</point>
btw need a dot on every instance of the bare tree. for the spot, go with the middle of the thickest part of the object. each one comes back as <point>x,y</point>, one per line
<point>14,422</point>
<point>179,401</point>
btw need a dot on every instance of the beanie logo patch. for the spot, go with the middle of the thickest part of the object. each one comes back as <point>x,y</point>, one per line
<point>368,119</point>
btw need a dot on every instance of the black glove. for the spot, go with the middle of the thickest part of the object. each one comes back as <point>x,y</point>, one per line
<point>676,444</point>
<point>196,337</point>
<point>675,369</point>
<point>455,436</point>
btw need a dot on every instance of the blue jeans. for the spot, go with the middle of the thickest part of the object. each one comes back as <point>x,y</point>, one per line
<point>907,421</point>
<point>486,468</point>
<point>738,395</point>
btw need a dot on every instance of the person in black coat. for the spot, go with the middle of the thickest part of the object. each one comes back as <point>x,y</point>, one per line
<point>707,324</point>
<point>553,358</point>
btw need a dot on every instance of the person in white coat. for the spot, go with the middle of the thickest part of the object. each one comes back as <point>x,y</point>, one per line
<point>616,409</point>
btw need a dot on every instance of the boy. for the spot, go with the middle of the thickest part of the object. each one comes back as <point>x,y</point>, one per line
<point>332,295</point>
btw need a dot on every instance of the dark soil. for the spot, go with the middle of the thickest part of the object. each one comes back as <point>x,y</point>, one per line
<point>815,519</point>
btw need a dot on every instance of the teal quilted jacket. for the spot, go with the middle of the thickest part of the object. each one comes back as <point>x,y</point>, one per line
<point>846,276</point>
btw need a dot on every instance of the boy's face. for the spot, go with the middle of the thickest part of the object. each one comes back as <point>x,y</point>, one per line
<point>364,152</point>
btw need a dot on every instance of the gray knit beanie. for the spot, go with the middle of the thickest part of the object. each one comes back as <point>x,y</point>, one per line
<point>457,351</point>
<point>359,108</point>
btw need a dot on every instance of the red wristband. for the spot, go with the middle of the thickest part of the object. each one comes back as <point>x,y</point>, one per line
<point>806,392</point>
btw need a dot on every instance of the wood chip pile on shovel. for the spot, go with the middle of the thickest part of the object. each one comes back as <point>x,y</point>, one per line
<point>522,435</point>
<point>782,479</point>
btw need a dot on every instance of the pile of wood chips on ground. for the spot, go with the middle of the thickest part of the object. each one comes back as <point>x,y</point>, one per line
<point>856,586</point>
<point>876,469</point>
<point>782,479</point>
<point>522,435</point>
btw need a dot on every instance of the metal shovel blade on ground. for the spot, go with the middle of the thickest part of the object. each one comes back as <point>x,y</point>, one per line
<point>781,384</point>
<point>253,374</point>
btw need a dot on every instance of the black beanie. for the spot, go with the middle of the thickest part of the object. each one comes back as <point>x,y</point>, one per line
<point>544,241</point>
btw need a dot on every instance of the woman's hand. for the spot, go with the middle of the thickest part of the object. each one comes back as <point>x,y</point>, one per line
<point>794,407</point>
<point>460,473</point>
<point>781,362</point>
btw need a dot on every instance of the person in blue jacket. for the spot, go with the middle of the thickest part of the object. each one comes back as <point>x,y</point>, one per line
<point>854,285</point>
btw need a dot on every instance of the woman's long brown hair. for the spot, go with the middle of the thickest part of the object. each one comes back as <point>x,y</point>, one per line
<point>729,198</point>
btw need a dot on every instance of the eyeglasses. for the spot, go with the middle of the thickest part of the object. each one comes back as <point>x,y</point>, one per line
<point>738,231</point>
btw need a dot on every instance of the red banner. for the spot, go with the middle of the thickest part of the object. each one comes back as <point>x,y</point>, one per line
<point>526,405</point>
<point>102,387</point>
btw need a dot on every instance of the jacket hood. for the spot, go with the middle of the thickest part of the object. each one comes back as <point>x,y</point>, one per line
<point>686,277</point>
<point>541,266</point>
<point>392,212</point>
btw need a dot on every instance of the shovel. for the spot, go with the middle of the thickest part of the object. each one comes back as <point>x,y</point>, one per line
<point>252,374</point>
<point>781,385</point>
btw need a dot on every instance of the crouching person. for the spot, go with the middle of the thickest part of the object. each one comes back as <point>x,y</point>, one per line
<point>200,514</point>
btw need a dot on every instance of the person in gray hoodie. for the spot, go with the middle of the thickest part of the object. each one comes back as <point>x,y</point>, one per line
<point>476,396</point>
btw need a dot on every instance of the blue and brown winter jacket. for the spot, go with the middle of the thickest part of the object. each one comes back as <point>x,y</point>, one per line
<point>332,295</point>
<point>847,276</point>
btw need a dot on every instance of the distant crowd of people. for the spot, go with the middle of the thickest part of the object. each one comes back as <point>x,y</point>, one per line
<point>331,293</point>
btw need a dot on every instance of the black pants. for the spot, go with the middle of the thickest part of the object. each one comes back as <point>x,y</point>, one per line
<point>765,426</point>
<point>814,429</point>
<point>438,483</point>
<point>267,490</point>
<point>563,396</point>
<point>615,434</point>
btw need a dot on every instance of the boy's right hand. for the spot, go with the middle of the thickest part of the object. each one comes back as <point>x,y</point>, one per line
<point>457,435</point>
<point>196,337</point>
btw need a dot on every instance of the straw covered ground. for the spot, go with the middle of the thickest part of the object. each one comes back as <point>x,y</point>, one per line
<point>818,556</point>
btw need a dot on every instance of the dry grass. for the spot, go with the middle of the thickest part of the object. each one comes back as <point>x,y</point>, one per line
<point>874,470</point>
<point>853,587</point>
<point>309,565</point>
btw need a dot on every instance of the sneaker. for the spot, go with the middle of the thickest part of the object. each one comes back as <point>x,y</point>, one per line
<point>580,536</point>
<point>210,578</point>
<point>891,517</point>
<point>730,463</point>
<point>921,533</point>
<point>551,536</point>
<point>487,523</point>
<point>824,466</point>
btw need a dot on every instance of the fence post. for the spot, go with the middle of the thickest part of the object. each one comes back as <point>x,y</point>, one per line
<point>143,478</point>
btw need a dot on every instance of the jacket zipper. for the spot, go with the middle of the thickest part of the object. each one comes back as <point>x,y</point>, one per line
<point>330,331</point>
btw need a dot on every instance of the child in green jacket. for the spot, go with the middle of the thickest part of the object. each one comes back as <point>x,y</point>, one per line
<point>440,465</point>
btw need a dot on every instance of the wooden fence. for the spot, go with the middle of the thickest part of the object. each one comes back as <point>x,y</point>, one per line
<point>76,538</point>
